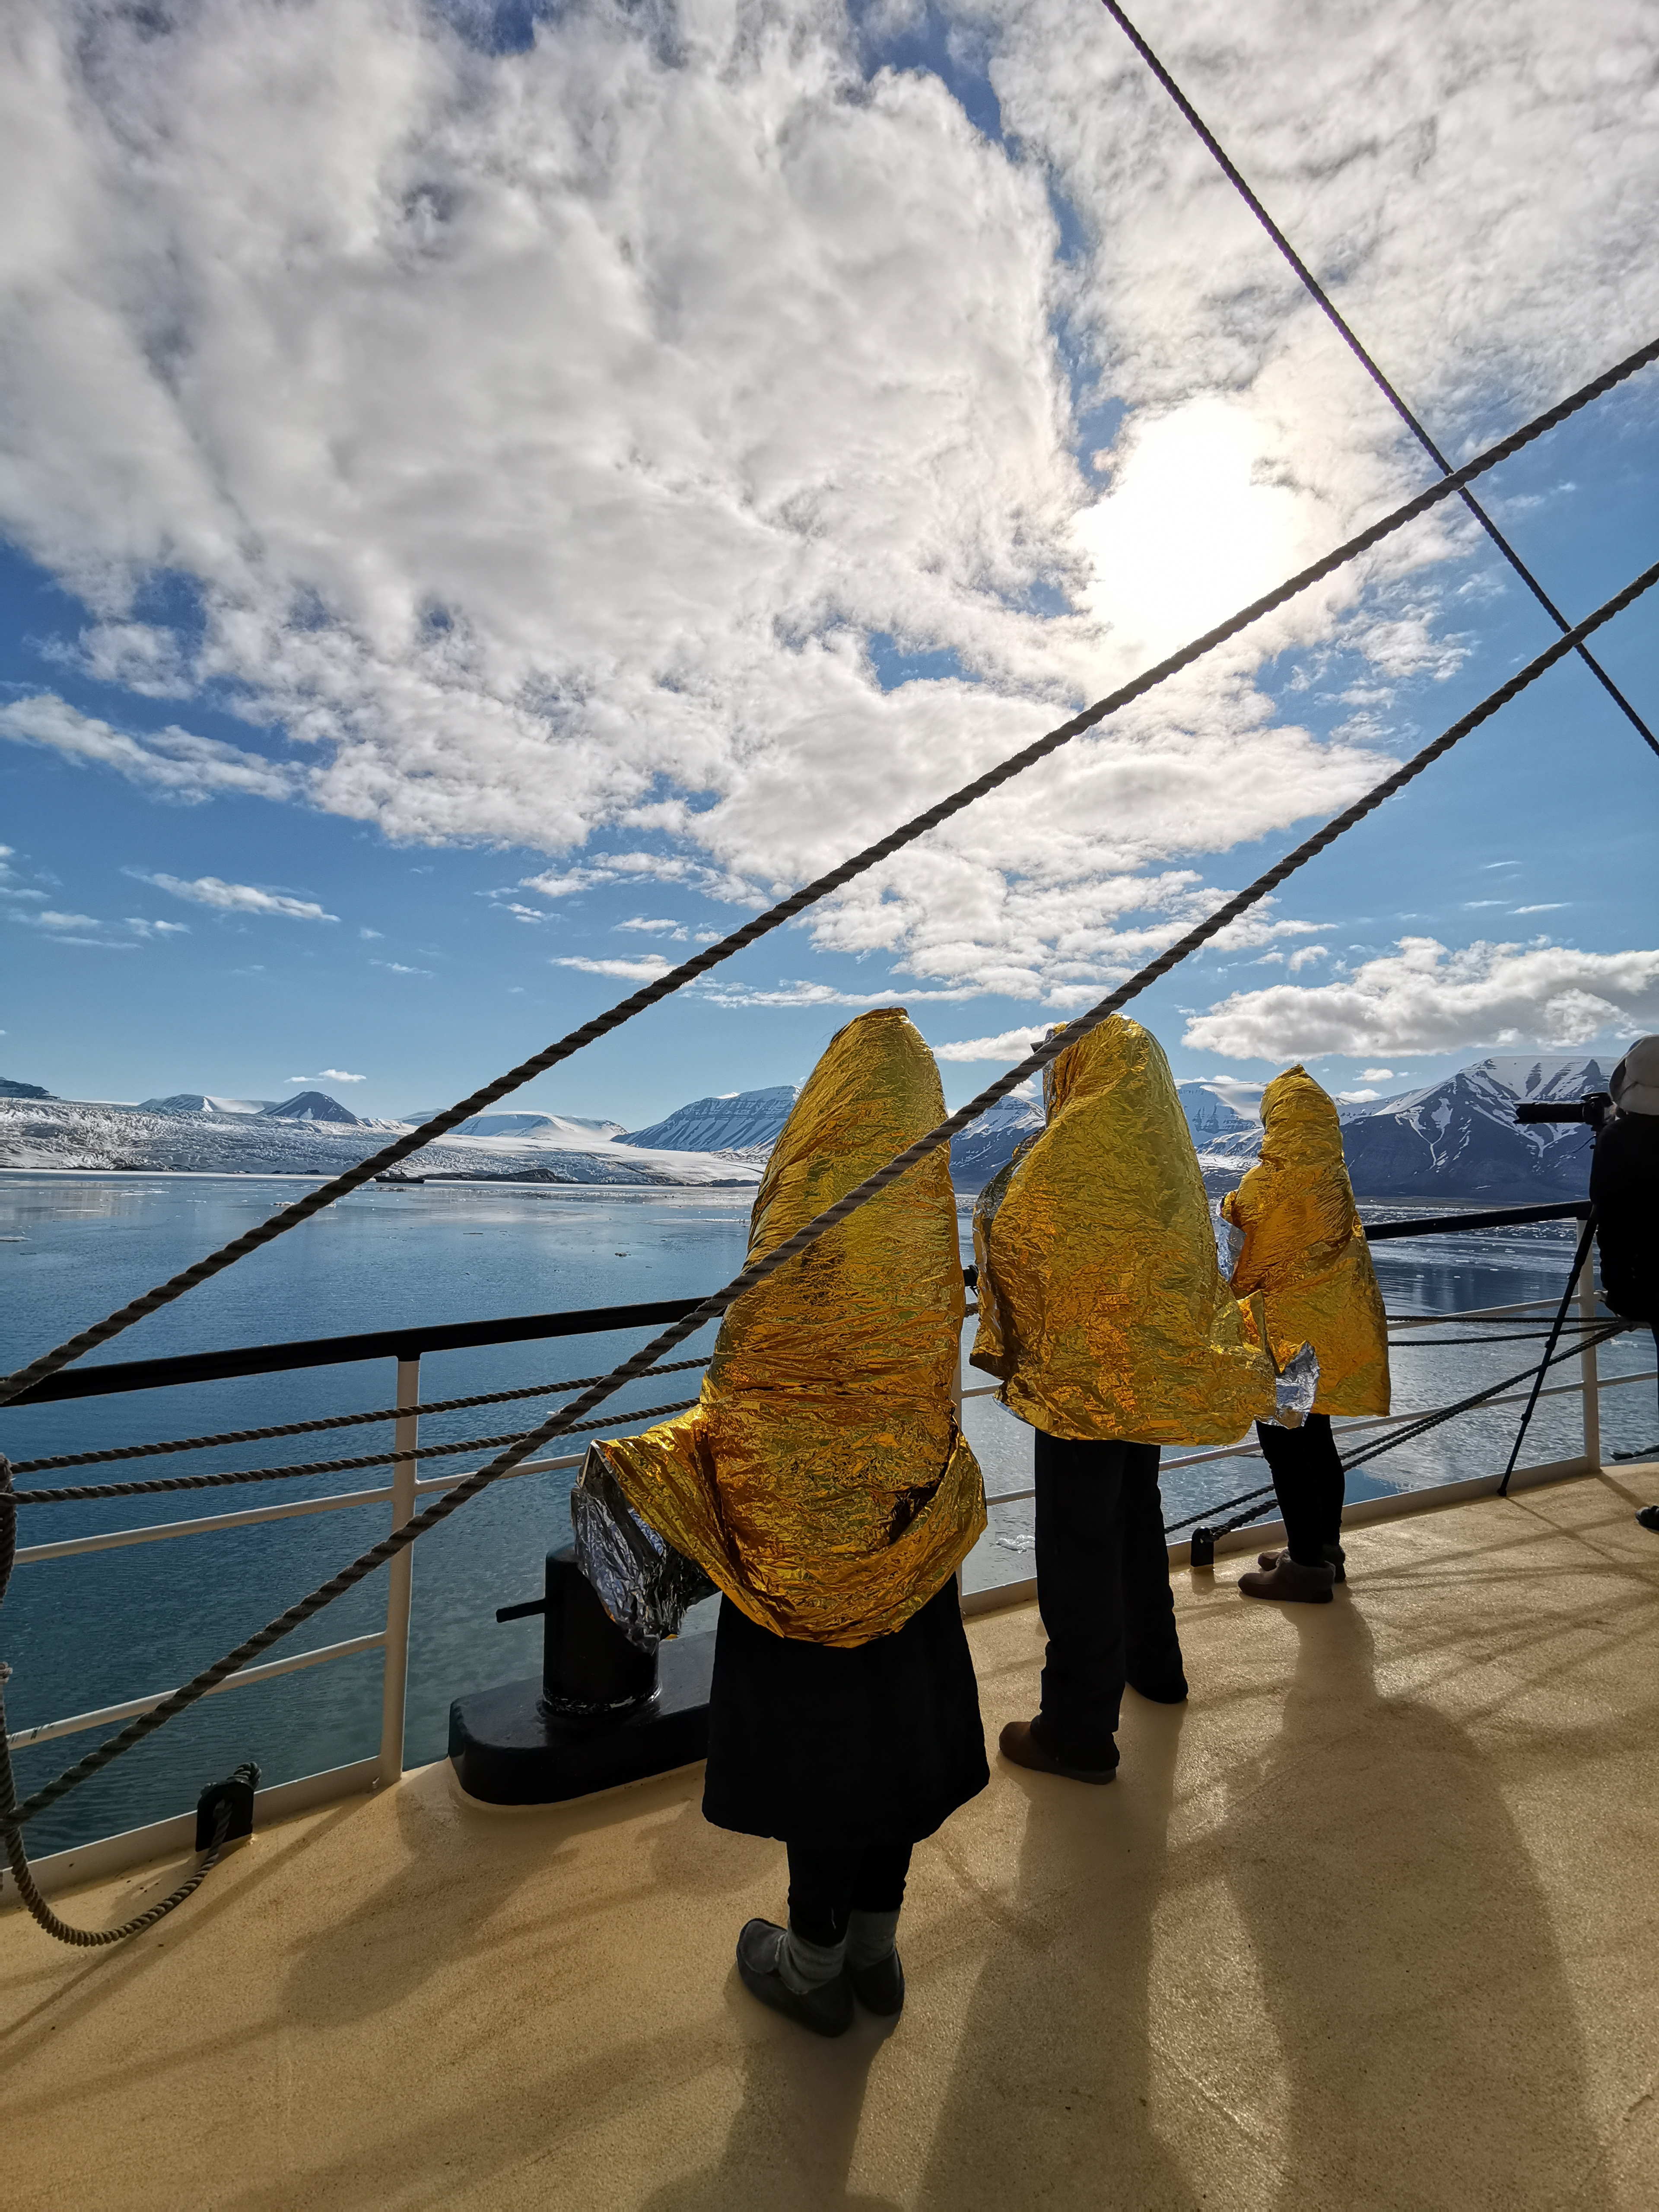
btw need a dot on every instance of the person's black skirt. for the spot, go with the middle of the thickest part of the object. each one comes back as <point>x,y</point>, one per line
<point>813,1745</point>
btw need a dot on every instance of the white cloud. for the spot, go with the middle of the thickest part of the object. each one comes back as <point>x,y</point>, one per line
<point>1425,998</point>
<point>327,1075</point>
<point>1010,1046</point>
<point>371,934</point>
<point>1356,1098</point>
<point>171,762</point>
<point>49,918</point>
<point>1377,1074</point>
<point>1306,955</point>
<point>544,436</point>
<point>141,928</point>
<point>789,993</point>
<point>397,968</point>
<point>630,971</point>
<point>658,927</point>
<point>236,898</point>
<point>1550,906</point>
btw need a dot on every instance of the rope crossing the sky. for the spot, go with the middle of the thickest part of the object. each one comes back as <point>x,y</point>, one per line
<point>1338,322</point>
<point>711,1308</point>
<point>290,1217</point>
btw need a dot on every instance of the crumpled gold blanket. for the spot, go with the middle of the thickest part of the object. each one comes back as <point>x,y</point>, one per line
<point>1305,1248</point>
<point>1101,1304</point>
<point>822,1482</point>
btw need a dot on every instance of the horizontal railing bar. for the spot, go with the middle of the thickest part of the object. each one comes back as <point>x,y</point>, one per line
<point>117,1376</point>
<point>159,1532</point>
<point>49,1730</point>
<point>120,1375</point>
<point>1503,1217</point>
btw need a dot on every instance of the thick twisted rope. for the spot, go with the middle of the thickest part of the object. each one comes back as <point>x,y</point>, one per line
<point>757,1271</point>
<point>10,1820</point>
<point>1338,322</point>
<point>290,1217</point>
<point>329,1421</point>
<point>76,1493</point>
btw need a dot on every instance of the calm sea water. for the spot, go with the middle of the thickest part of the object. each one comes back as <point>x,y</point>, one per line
<point>87,1632</point>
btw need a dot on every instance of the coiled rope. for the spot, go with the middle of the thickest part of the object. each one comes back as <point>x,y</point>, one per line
<point>328,1421</point>
<point>88,1939</point>
<point>1338,322</point>
<point>290,1217</point>
<point>757,1271</point>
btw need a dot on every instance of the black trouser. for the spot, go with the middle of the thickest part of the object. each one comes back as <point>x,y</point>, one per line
<point>825,1886</point>
<point>1307,1471</point>
<point>1102,1589</point>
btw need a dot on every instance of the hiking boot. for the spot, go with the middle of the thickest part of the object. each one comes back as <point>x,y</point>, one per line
<point>880,1988</point>
<point>1020,1742</point>
<point>1649,1518</point>
<point>1289,1584</point>
<point>1334,1554</point>
<point>827,2010</point>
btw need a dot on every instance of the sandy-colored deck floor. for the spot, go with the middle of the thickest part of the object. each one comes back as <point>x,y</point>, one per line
<point>1374,1921</point>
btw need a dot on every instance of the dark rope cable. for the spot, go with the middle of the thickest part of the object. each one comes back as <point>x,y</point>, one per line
<point>757,1271</point>
<point>328,1421</point>
<point>1580,1257</point>
<point>79,1492</point>
<point>1338,322</point>
<point>1405,1436</point>
<point>290,1217</point>
<point>87,1939</point>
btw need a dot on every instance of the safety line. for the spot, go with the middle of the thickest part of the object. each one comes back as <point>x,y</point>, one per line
<point>77,1493</point>
<point>1338,322</point>
<point>290,1217</point>
<point>331,1421</point>
<point>756,1272</point>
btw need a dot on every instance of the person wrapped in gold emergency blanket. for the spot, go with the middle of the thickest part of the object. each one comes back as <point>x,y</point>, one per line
<point>1102,1310</point>
<point>823,1486</point>
<point>1303,1252</point>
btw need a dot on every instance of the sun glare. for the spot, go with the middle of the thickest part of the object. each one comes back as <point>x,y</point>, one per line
<point>1186,533</point>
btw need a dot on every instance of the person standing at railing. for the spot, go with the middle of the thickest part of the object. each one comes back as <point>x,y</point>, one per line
<point>1304,1252</point>
<point>1625,1193</point>
<point>823,1486</point>
<point>1102,1311</point>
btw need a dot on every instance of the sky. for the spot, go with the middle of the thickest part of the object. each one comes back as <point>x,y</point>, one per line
<point>490,497</point>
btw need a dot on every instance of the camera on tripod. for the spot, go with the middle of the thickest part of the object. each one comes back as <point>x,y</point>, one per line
<point>1594,1107</point>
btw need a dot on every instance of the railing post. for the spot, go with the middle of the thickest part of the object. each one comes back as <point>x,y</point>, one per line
<point>1589,1378</point>
<point>399,1579</point>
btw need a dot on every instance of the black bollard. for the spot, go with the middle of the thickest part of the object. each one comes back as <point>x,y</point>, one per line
<point>1203,1548</point>
<point>603,1712</point>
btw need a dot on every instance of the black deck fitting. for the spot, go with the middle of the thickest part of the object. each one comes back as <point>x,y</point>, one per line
<point>238,1794</point>
<point>603,1712</point>
<point>1203,1548</point>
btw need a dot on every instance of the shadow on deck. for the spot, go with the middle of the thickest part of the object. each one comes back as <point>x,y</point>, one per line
<point>1373,1921</point>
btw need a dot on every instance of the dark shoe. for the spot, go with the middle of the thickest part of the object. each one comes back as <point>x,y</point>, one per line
<point>1289,1584</point>
<point>1649,1518</point>
<point>879,1988</point>
<point>1334,1554</point>
<point>1020,1743</point>
<point>827,2010</point>
<point>1164,1686</point>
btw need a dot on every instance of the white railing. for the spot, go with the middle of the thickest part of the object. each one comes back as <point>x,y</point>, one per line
<point>407,1487</point>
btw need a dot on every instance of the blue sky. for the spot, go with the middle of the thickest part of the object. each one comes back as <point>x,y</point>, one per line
<point>780,651</point>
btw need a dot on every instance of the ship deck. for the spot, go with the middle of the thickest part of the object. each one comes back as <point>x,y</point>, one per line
<point>1373,1921</point>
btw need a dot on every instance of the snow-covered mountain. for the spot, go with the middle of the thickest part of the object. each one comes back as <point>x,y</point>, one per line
<point>565,1131</point>
<point>990,1143</point>
<point>312,1106</point>
<point>1457,1138</point>
<point>740,1122</point>
<point>209,1110</point>
<point>71,1134</point>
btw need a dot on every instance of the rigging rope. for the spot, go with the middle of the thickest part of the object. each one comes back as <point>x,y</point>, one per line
<point>711,1308</point>
<point>1338,322</point>
<point>329,1421</point>
<point>77,1492</point>
<point>290,1217</point>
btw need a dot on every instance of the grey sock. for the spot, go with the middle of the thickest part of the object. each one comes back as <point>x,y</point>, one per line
<point>803,1967</point>
<point>871,1936</point>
